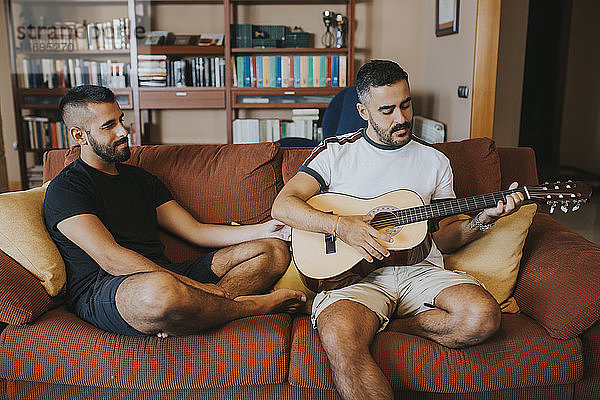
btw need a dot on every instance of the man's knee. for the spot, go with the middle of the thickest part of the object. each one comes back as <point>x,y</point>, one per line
<point>279,254</point>
<point>154,295</point>
<point>477,322</point>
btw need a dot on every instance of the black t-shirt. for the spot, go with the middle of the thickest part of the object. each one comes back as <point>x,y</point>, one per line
<point>125,203</point>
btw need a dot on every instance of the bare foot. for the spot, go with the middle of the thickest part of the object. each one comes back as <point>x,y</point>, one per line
<point>279,301</point>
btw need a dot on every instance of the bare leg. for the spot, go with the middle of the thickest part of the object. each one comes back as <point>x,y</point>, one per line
<point>157,302</point>
<point>346,329</point>
<point>251,267</point>
<point>466,315</point>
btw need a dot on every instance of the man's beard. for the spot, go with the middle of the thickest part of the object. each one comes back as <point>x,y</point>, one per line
<point>108,152</point>
<point>386,136</point>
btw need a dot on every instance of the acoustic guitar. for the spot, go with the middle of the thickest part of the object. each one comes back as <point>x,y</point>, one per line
<point>326,263</point>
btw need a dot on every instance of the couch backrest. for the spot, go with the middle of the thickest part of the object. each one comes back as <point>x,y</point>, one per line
<point>475,162</point>
<point>217,184</point>
<point>227,183</point>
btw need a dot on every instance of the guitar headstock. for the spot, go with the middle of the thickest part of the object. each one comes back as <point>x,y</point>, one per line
<point>567,195</point>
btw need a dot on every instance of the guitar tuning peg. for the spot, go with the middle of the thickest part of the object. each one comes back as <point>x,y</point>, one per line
<point>576,206</point>
<point>564,208</point>
<point>545,183</point>
<point>557,181</point>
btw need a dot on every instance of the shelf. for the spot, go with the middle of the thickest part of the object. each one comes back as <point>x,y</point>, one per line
<point>181,1</point>
<point>177,98</point>
<point>95,53</point>
<point>52,98</point>
<point>82,2</point>
<point>182,50</point>
<point>288,50</point>
<point>283,97</point>
<point>320,2</point>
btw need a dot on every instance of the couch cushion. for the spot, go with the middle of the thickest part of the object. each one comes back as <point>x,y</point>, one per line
<point>293,157</point>
<point>476,166</point>
<point>520,354</point>
<point>22,296</point>
<point>24,237</point>
<point>494,258</point>
<point>61,348</point>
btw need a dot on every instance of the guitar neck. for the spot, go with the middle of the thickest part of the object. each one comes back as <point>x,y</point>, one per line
<point>447,208</point>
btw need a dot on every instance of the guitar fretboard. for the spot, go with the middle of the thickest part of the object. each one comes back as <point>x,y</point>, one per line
<point>454,206</point>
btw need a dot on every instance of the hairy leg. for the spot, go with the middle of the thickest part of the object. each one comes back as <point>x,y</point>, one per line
<point>346,329</point>
<point>251,267</point>
<point>158,302</point>
<point>465,315</point>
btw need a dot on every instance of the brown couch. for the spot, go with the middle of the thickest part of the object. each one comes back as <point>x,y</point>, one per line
<point>550,350</point>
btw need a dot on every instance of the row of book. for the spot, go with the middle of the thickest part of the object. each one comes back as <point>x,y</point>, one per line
<point>35,176</point>
<point>304,124</point>
<point>289,71</point>
<point>160,70</point>
<point>68,73</point>
<point>41,133</point>
<point>75,36</point>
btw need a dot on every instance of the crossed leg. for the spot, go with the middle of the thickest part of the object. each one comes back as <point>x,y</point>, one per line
<point>465,315</point>
<point>159,302</point>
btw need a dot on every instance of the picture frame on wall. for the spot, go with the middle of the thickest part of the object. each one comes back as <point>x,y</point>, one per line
<point>446,17</point>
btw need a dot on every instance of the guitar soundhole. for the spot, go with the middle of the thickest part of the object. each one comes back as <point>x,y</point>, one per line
<point>385,222</point>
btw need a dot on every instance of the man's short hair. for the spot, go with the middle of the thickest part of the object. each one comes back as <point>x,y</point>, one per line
<point>377,73</point>
<point>78,98</point>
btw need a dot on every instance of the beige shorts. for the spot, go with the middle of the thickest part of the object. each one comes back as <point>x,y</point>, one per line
<point>394,292</point>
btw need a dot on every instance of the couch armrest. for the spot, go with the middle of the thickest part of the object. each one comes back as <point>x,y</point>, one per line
<point>22,296</point>
<point>559,279</point>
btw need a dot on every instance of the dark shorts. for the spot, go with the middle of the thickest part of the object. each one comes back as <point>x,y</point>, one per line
<point>98,307</point>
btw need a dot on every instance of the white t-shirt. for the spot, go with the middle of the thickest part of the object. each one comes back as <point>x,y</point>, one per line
<point>355,165</point>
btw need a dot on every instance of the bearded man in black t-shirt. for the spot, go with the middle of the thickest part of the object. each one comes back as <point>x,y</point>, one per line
<point>104,218</point>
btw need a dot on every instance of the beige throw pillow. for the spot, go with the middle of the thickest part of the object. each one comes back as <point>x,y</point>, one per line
<point>23,237</point>
<point>291,280</point>
<point>494,258</point>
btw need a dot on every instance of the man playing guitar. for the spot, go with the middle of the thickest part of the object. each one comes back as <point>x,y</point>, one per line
<point>424,299</point>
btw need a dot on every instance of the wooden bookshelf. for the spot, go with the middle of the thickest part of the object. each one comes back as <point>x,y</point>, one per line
<point>142,100</point>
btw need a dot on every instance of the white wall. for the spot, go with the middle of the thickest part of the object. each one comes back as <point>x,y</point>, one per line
<point>404,31</point>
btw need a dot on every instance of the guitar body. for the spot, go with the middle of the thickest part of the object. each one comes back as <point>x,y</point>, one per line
<point>323,270</point>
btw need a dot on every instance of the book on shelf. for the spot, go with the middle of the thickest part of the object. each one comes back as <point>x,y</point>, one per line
<point>289,71</point>
<point>35,176</point>
<point>210,39</point>
<point>63,37</point>
<point>271,130</point>
<point>41,133</point>
<point>160,70</point>
<point>68,73</point>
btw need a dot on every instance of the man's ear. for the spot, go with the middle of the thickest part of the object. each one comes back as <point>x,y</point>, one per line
<point>362,111</point>
<point>78,136</point>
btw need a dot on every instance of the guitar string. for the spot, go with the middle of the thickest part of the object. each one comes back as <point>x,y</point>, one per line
<point>454,206</point>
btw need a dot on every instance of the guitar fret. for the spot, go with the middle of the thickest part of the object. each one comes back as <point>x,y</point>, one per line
<point>453,207</point>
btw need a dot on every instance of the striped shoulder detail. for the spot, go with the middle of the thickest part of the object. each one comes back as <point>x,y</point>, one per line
<point>342,139</point>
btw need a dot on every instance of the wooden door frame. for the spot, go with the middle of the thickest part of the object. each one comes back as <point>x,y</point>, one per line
<point>485,67</point>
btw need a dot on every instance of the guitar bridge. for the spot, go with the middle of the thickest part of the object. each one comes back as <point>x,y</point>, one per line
<point>329,243</point>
